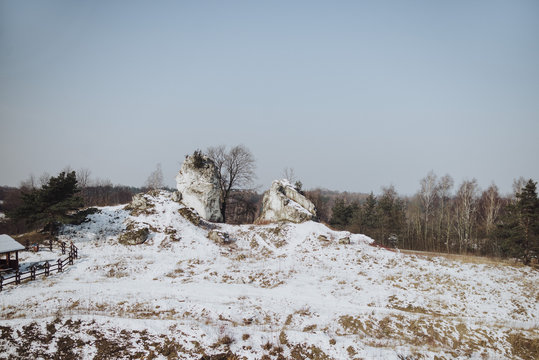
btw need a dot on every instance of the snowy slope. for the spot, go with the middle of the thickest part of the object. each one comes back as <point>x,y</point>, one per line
<point>280,291</point>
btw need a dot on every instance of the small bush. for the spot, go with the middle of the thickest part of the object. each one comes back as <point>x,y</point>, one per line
<point>198,159</point>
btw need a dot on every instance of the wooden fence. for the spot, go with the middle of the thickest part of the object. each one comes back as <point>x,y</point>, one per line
<point>42,269</point>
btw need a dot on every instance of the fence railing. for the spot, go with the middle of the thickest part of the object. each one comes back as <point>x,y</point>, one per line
<point>45,268</point>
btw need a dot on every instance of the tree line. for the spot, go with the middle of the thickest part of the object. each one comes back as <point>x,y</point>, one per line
<point>29,202</point>
<point>436,219</point>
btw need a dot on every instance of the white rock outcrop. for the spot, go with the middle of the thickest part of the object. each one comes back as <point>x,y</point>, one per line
<point>282,202</point>
<point>198,184</point>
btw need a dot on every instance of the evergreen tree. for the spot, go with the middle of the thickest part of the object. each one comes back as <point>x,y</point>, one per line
<point>528,209</point>
<point>56,202</point>
<point>519,229</point>
<point>390,210</point>
<point>342,213</point>
<point>369,220</point>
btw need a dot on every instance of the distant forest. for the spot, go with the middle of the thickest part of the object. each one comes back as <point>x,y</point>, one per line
<point>439,217</point>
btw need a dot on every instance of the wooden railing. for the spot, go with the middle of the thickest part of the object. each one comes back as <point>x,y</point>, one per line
<point>42,269</point>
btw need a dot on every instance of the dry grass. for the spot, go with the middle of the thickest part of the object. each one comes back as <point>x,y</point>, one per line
<point>524,347</point>
<point>223,341</point>
<point>283,339</point>
<point>301,352</point>
<point>33,237</point>
<point>467,259</point>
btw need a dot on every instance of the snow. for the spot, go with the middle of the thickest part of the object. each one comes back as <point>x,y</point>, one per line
<point>8,244</point>
<point>272,280</point>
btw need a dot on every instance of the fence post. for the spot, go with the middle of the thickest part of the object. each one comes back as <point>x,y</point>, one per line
<point>17,277</point>
<point>63,248</point>
<point>47,268</point>
<point>1,282</point>
<point>70,258</point>
<point>59,265</point>
<point>74,250</point>
<point>33,272</point>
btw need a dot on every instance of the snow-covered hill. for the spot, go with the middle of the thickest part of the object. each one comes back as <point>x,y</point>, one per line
<point>273,292</point>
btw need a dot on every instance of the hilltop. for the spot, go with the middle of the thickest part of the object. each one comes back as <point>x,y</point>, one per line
<point>261,291</point>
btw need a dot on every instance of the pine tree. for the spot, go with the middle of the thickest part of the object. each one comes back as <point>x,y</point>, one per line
<point>528,207</point>
<point>369,217</point>
<point>56,202</point>
<point>390,210</point>
<point>342,213</point>
<point>518,232</point>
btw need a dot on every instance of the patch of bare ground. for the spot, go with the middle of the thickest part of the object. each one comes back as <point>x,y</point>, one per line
<point>75,339</point>
<point>437,334</point>
<point>33,237</point>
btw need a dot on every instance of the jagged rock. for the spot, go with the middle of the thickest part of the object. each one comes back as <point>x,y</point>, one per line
<point>190,215</point>
<point>344,240</point>
<point>176,196</point>
<point>219,237</point>
<point>198,184</point>
<point>323,238</point>
<point>282,202</point>
<point>140,204</point>
<point>134,237</point>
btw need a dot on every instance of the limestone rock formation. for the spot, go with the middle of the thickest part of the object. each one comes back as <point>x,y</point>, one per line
<point>198,184</point>
<point>282,202</point>
<point>134,237</point>
<point>141,204</point>
<point>219,237</point>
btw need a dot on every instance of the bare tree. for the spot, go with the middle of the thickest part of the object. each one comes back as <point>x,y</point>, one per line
<point>444,186</point>
<point>428,193</point>
<point>518,185</point>
<point>155,180</point>
<point>490,206</point>
<point>466,206</point>
<point>29,184</point>
<point>289,174</point>
<point>236,170</point>
<point>44,179</point>
<point>83,177</point>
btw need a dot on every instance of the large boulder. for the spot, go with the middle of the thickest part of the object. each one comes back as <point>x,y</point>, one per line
<point>141,204</point>
<point>198,184</point>
<point>283,202</point>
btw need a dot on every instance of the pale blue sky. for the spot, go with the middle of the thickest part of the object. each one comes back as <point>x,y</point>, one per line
<point>353,95</point>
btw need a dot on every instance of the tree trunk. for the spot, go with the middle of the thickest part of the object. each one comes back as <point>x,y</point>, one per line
<point>223,210</point>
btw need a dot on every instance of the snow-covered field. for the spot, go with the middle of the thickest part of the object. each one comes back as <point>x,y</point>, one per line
<point>274,292</point>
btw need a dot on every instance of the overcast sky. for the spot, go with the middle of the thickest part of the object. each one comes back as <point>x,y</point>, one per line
<point>353,95</point>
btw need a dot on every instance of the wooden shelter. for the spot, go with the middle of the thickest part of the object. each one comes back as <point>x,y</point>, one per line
<point>8,246</point>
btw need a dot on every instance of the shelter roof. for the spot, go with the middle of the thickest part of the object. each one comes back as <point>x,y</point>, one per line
<point>8,244</point>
